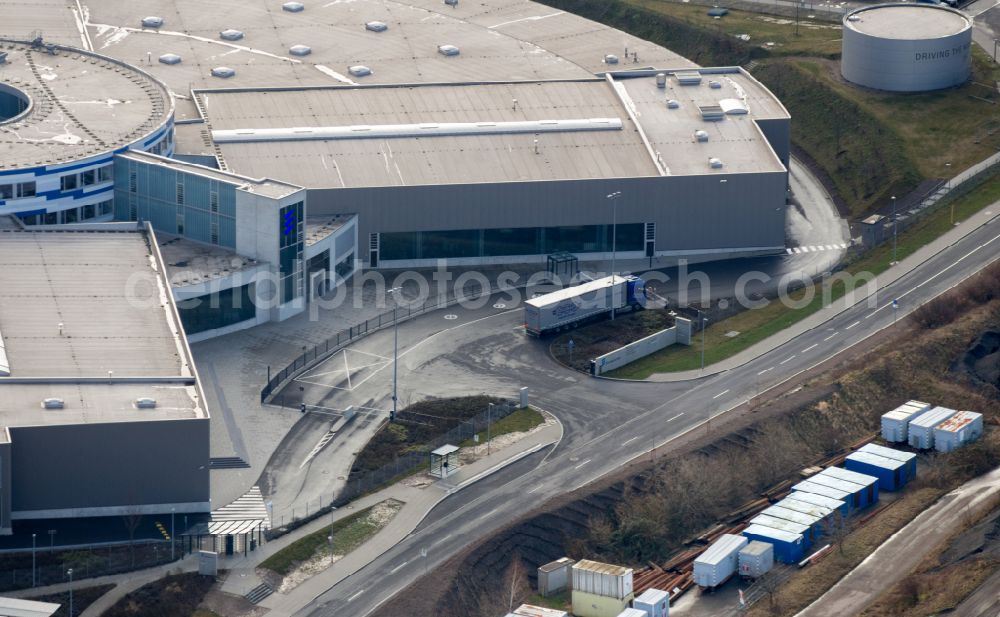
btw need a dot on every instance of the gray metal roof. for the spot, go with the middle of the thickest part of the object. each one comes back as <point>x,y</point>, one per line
<point>261,185</point>
<point>83,105</point>
<point>190,262</point>
<point>116,314</point>
<point>501,154</point>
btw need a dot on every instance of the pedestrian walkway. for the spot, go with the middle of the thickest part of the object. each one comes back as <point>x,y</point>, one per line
<point>418,502</point>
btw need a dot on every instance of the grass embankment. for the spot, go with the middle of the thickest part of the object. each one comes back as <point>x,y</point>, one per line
<point>82,598</point>
<point>521,421</point>
<point>348,534</point>
<point>418,424</point>
<point>176,595</point>
<point>755,325</point>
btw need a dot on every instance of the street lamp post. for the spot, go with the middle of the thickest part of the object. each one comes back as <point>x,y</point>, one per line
<point>172,510</point>
<point>702,321</point>
<point>894,229</point>
<point>34,579</point>
<point>70,573</point>
<point>395,350</point>
<point>614,241</point>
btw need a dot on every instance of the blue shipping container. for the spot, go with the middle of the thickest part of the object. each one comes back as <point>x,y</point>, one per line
<point>892,475</point>
<point>823,495</point>
<point>788,547</point>
<point>907,457</point>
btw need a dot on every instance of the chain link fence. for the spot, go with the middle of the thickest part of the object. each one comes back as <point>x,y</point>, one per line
<point>51,566</point>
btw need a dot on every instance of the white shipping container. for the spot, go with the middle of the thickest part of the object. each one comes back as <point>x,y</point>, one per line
<point>958,430</point>
<point>632,612</point>
<point>714,567</point>
<point>921,431</point>
<point>756,559</point>
<point>895,422</point>
<point>653,603</point>
<point>572,304</point>
<point>602,579</point>
<point>529,610</point>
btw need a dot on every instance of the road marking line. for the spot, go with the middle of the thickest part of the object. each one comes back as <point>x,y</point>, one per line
<point>675,417</point>
<point>436,542</point>
<point>540,486</point>
<point>720,394</point>
<point>583,463</point>
<point>813,346</point>
<point>351,599</point>
<point>627,442</point>
<point>398,568</point>
<point>852,325</point>
<point>787,359</point>
<point>830,337</point>
<point>765,370</point>
<point>789,251</point>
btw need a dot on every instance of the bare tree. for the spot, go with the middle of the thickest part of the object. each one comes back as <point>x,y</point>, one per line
<point>837,530</point>
<point>769,584</point>
<point>132,518</point>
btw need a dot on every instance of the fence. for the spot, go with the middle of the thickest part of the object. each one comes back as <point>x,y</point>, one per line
<point>86,563</point>
<point>406,464</point>
<point>383,320</point>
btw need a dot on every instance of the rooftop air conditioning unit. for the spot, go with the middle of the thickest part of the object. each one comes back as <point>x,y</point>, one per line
<point>292,7</point>
<point>714,163</point>
<point>376,26</point>
<point>145,402</point>
<point>610,59</point>
<point>300,50</point>
<point>231,35</point>
<point>447,50</point>
<point>170,59</point>
<point>701,135</point>
<point>53,403</point>
<point>152,22</point>
<point>673,104</point>
<point>223,71</point>
<point>359,70</point>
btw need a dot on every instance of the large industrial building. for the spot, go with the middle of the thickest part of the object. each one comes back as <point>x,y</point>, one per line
<point>101,409</point>
<point>907,47</point>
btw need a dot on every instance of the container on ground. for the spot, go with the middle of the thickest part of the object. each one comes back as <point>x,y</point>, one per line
<point>653,603</point>
<point>602,579</point>
<point>822,496</point>
<point>788,547</point>
<point>869,484</point>
<point>756,559</point>
<point>714,567</point>
<point>896,422</point>
<point>568,307</point>
<point>892,474</point>
<point>553,577</point>
<point>907,457</point>
<point>958,430</point>
<point>921,430</point>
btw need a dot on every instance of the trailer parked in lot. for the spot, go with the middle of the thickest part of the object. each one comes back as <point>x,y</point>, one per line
<point>567,308</point>
<point>719,562</point>
<point>756,559</point>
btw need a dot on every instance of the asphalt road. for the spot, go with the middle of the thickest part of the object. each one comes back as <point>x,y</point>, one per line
<point>485,348</point>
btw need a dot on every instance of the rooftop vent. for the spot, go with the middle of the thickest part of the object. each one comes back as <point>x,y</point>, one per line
<point>170,59</point>
<point>688,78</point>
<point>701,135</point>
<point>231,35</point>
<point>714,85</point>
<point>152,22</point>
<point>610,59</point>
<point>661,80</point>
<point>3,57</point>
<point>715,163</point>
<point>359,70</point>
<point>447,50</point>
<point>711,112</point>
<point>673,104</point>
<point>452,3</point>
<point>376,26</point>
<point>853,18</point>
<point>300,50</point>
<point>53,403</point>
<point>223,71</point>
<point>733,107</point>
<point>293,7</point>
<point>145,402</point>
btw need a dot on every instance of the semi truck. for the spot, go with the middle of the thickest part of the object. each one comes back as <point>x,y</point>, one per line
<point>568,308</point>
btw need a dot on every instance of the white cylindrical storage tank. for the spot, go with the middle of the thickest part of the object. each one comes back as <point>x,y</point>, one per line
<point>906,47</point>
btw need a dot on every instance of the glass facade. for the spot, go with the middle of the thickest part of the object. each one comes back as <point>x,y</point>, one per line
<point>291,241</point>
<point>508,241</point>
<point>72,215</point>
<point>198,207</point>
<point>217,310</point>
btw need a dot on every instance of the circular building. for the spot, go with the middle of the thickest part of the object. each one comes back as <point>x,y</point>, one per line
<point>906,47</point>
<point>64,113</point>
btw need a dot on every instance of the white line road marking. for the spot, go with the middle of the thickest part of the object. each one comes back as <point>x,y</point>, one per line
<point>720,394</point>
<point>787,359</point>
<point>765,370</point>
<point>540,486</point>
<point>436,542</point>
<point>675,417</point>
<point>789,251</point>
<point>813,346</point>
<point>852,325</point>
<point>628,441</point>
<point>398,568</point>
<point>583,463</point>
<point>351,599</point>
<point>830,337</point>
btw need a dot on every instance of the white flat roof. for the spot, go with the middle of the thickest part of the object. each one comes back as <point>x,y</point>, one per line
<point>907,21</point>
<point>16,607</point>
